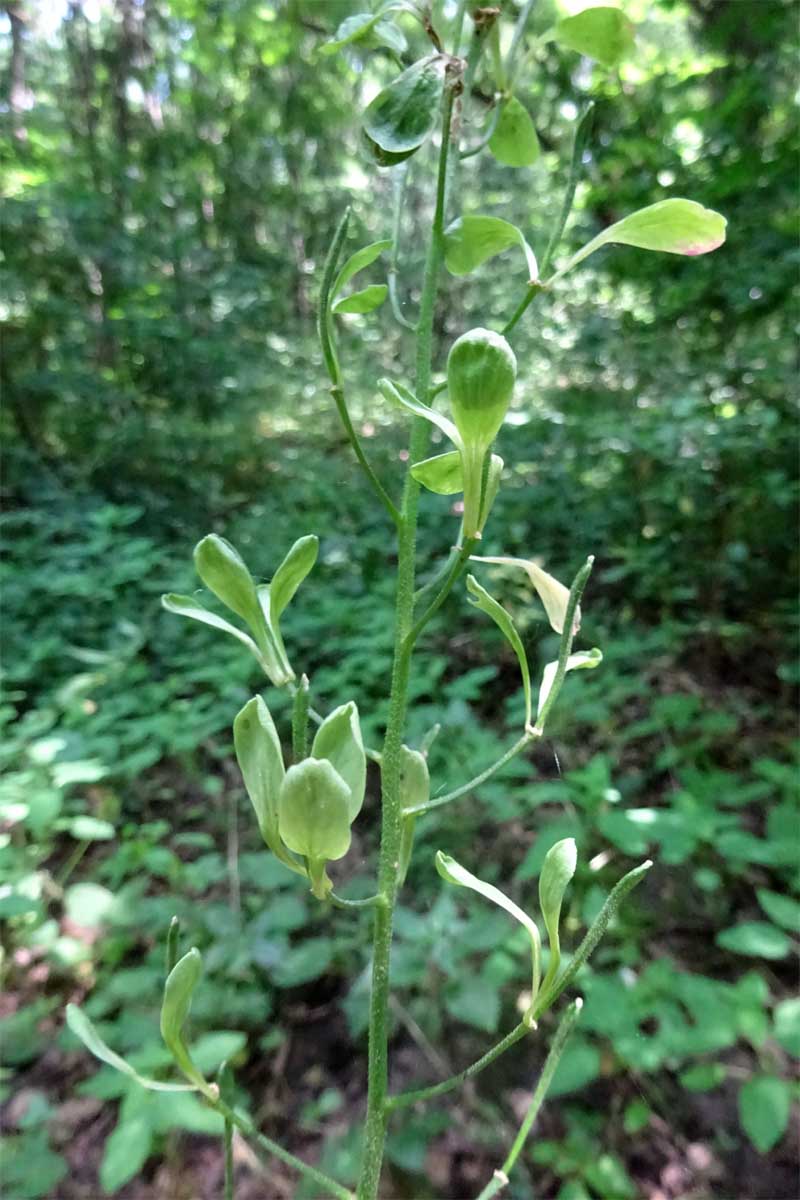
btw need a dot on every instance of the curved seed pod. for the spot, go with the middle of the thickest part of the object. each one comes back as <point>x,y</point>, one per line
<point>402,116</point>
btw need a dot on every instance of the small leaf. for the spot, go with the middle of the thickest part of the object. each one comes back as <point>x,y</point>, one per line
<point>557,871</point>
<point>223,571</point>
<point>181,982</point>
<point>402,116</point>
<point>783,910</point>
<point>372,28</point>
<point>514,142</point>
<point>553,595</point>
<point>454,873</point>
<point>602,33</point>
<point>787,1025</point>
<point>671,227</point>
<point>314,816</point>
<point>481,599</point>
<point>442,474</point>
<point>764,1104</point>
<point>755,938</point>
<point>338,741</point>
<point>397,394</point>
<point>125,1152</point>
<point>258,752</point>
<point>357,262</point>
<point>473,240</point>
<point>364,301</point>
<point>186,606</point>
<point>581,661</point>
<point>704,1077</point>
<point>85,1031</point>
<point>291,573</point>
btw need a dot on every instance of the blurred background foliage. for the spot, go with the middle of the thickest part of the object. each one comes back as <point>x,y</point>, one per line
<point>173,170</point>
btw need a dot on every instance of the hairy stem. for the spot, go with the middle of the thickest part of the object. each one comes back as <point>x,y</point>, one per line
<point>458,792</point>
<point>448,1085</point>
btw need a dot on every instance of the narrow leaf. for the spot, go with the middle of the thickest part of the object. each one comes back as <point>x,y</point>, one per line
<point>602,33</point>
<point>481,599</point>
<point>291,573</point>
<point>472,240</point>
<point>85,1031</point>
<point>557,871</point>
<point>338,740</point>
<point>581,661</point>
<point>397,394</point>
<point>364,301</point>
<point>514,142</point>
<point>258,751</point>
<point>186,606</point>
<point>357,262</point>
<point>553,595</point>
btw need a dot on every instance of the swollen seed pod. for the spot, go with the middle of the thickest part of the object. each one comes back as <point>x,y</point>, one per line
<point>481,372</point>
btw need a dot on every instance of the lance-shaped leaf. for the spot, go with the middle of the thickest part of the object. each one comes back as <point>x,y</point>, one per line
<point>397,394</point>
<point>365,301</point>
<point>415,792</point>
<point>258,751</point>
<point>224,572</point>
<point>514,142</point>
<point>314,817</point>
<point>481,599</point>
<point>338,740</point>
<point>454,873</point>
<point>187,606</point>
<point>85,1031</point>
<point>402,116</point>
<point>557,870</point>
<point>291,573</point>
<point>671,227</point>
<point>357,262</point>
<point>553,595</point>
<point>583,660</point>
<point>602,33</point>
<point>472,240</point>
<point>181,982</point>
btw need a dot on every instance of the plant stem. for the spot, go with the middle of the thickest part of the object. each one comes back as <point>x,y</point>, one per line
<point>227,1139</point>
<point>245,1126</point>
<point>582,131</point>
<point>455,570</point>
<point>391,807</point>
<point>448,1085</point>
<point>458,792</point>
<point>369,902</point>
<point>532,292</point>
<point>400,176</point>
<point>300,712</point>
<point>500,1178</point>
<point>519,32</point>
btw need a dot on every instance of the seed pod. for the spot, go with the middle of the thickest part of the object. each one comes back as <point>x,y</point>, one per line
<point>481,371</point>
<point>314,818</point>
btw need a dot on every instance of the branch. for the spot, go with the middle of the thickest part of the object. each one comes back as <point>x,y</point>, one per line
<point>403,1099</point>
<point>458,792</point>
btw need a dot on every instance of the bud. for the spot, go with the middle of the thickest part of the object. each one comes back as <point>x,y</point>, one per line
<point>481,371</point>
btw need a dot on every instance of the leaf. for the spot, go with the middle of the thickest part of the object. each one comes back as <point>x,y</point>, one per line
<point>473,240</point>
<point>764,1104</point>
<point>581,661</point>
<point>397,394</point>
<point>602,33</point>
<point>454,873</point>
<point>553,595</point>
<point>557,871</point>
<point>671,227</point>
<point>443,474</point>
<point>783,910</point>
<point>89,904</point>
<point>514,142</point>
<point>90,829</point>
<point>787,1025</point>
<point>704,1077</point>
<point>364,301</point>
<point>307,961</point>
<point>125,1152</point>
<point>482,600</point>
<point>290,574</point>
<point>85,1031</point>
<point>402,116</point>
<point>369,27</point>
<point>258,752</point>
<point>476,1002</point>
<point>338,741</point>
<point>186,606</point>
<point>357,262</point>
<point>223,571</point>
<point>755,938</point>
<point>314,811</point>
<point>181,982</point>
<point>578,1066</point>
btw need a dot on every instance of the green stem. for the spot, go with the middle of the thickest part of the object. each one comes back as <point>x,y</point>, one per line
<point>448,1085</point>
<point>458,792</point>
<point>227,1139</point>
<point>567,636</point>
<point>369,902</point>
<point>245,1126</point>
<point>450,580</point>
<point>300,710</point>
<point>499,1180</point>
<point>533,290</point>
<point>487,136</point>
<point>391,807</point>
<point>582,131</point>
<point>173,934</point>
<point>519,32</point>
<point>398,195</point>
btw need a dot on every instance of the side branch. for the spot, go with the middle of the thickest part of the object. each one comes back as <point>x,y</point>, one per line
<point>458,792</point>
<point>403,1099</point>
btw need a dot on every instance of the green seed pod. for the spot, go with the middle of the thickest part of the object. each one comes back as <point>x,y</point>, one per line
<point>314,817</point>
<point>481,371</point>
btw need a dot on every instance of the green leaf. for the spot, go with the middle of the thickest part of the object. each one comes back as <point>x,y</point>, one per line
<point>89,904</point>
<point>338,741</point>
<point>186,606</point>
<point>514,142</point>
<point>314,817</point>
<point>223,571</point>
<point>583,660</point>
<point>553,595</point>
<point>482,600</point>
<point>704,1077</point>
<point>90,829</point>
<point>369,27</point>
<point>307,961</point>
<point>258,752</point>
<point>290,574</point>
<point>783,910</point>
<point>402,116</point>
<point>125,1152</point>
<point>454,873</point>
<point>475,1001</point>
<point>764,1104</point>
<point>85,1031</point>
<point>181,982</point>
<point>557,871</point>
<point>397,394</point>
<point>602,33</point>
<point>787,1025</point>
<point>442,474</point>
<point>357,262</point>
<point>671,227</point>
<point>364,301</point>
<point>473,240</point>
<point>577,1067</point>
<point>755,938</point>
